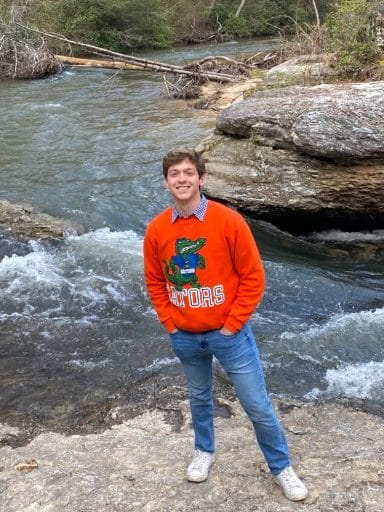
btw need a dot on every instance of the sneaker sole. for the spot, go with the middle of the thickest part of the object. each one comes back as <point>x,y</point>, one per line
<point>197,480</point>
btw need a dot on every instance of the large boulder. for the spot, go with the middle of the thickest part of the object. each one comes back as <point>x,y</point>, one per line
<point>340,122</point>
<point>303,158</point>
<point>301,70</point>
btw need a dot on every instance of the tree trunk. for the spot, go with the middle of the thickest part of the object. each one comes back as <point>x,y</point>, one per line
<point>316,13</point>
<point>239,9</point>
<point>96,63</point>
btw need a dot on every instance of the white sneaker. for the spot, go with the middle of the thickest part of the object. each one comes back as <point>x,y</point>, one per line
<point>198,469</point>
<point>293,488</point>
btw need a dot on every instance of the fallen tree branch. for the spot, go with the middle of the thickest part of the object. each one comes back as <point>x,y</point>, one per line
<point>110,64</point>
<point>142,63</point>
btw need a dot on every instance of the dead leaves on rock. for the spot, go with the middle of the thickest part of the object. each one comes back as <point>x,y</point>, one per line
<point>27,466</point>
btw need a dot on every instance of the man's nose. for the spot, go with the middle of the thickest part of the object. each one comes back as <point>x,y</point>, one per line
<point>182,176</point>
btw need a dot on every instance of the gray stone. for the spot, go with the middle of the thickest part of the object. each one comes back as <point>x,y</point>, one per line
<point>302,69</point>
<point>296,192</point>
<point>302,158</point>
<point>26,222</point>
<point>342,122</point>
<point>140,464</point>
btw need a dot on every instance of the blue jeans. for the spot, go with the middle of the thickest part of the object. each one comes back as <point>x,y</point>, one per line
<point>239,356</point>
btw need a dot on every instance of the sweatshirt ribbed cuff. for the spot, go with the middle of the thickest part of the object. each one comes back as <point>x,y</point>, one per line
<point>232,325</point>
<point>169,326</point>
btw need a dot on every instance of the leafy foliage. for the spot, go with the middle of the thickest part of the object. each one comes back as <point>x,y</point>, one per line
<point>117,24</point>
<point>124,25</point>
<point>350,37</point>
<point>264,17</point>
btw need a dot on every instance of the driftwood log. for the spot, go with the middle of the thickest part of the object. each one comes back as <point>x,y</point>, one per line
<point>145,64</point>
<point>96,63</point>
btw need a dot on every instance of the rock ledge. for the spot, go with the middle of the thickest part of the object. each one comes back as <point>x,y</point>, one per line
<point>139,465</point>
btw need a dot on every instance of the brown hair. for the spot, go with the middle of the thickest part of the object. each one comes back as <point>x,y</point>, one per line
<point>178,155</point>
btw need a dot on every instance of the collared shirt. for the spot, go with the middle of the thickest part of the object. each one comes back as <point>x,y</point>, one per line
<point>199,212</point>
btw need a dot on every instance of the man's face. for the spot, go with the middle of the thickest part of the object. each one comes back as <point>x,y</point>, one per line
<point>183,181</point>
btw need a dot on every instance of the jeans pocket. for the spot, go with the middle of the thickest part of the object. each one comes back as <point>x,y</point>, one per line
<point>182,344</point>
<point>228,336</point>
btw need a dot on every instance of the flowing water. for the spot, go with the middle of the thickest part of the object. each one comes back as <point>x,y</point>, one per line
<point>76,325</point>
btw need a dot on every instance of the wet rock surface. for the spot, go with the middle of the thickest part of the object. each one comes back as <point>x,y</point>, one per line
<point>303,158</point>
<point>334,121</point>
<point>140,463</point>
<point>25,222</point>
<point>293,191</point>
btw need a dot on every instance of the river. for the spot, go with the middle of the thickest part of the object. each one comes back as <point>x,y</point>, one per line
<point>76,325</point>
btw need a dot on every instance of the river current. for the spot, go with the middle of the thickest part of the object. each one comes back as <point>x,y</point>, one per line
<point>76,326</point>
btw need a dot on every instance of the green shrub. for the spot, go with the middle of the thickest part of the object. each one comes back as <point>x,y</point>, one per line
<point>119,25</point>
<point>265,17</point>
<point>238,27</point>
<point>350,38</point>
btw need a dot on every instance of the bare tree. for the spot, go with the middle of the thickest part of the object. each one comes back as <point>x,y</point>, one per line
<point>241,5</point>
<point>316,13</point>
<point>210,7</point>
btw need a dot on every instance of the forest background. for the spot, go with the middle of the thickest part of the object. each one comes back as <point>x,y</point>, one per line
<point>123,25</point>
<point>344,28</point>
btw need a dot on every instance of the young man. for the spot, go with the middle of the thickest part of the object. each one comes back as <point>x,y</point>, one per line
<point>205,277</point>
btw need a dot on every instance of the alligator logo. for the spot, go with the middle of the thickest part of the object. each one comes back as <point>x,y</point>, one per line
<point>181,269</point>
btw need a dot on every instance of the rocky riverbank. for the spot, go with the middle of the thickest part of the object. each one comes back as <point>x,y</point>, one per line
<point>139,464</point>
<point>25,222</point>
<point>136,460</point>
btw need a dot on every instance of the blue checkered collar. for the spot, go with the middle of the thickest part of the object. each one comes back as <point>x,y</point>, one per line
<point>199,212</point>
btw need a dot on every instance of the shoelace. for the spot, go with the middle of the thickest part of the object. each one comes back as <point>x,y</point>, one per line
<point>200,460</point>
<point>290,479</point>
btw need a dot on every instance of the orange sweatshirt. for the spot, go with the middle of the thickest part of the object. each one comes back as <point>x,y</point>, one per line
<point>203,275</point>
